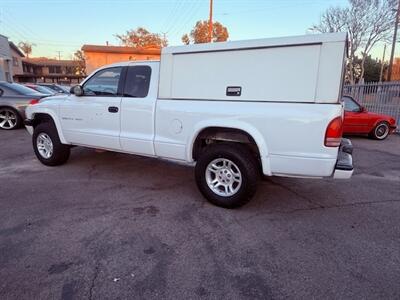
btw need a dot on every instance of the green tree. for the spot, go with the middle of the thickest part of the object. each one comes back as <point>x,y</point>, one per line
<point>372,69</point>
<point>141,37</point>
<point>199,33</point>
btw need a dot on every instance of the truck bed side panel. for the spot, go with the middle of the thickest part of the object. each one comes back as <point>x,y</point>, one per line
<point>290,137</point>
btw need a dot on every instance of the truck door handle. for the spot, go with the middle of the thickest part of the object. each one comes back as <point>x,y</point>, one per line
<point>113,109</point>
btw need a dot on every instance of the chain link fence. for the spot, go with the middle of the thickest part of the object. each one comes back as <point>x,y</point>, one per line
<point>378,97</point>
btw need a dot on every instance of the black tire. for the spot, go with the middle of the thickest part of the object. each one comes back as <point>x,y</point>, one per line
<point>17,117</point>
<point>60,153</point>
<point>381,131</point>
<point>244,161</point>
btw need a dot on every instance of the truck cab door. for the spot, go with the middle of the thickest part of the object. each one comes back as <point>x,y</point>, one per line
<point>93,119</point>
<point>138,108</point>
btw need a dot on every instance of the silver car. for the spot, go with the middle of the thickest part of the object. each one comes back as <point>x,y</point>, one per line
<point>14,98</point>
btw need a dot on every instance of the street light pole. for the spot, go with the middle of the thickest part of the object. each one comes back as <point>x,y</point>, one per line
<point>396,24</point>
<point>382,64</point>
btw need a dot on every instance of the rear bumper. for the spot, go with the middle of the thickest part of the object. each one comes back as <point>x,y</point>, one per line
<point>344,164</point>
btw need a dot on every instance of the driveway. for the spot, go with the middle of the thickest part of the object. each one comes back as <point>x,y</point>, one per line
<point>115,226</point>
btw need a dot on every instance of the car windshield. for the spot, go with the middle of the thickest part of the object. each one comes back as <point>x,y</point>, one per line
<point>44,90</point>
<point>350,105</point>
<point>54,88</point>
<point>20,89</point>
<point>65,88</point>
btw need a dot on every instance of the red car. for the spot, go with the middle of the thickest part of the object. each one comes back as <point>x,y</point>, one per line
<point>357,120</point>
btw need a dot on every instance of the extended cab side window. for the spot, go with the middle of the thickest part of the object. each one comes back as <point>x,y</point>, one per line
<point>137,81</point>
<point>103,83</point>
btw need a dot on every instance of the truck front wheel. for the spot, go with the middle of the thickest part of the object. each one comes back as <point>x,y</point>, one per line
<point>227,174</point>
<point>47,145</point>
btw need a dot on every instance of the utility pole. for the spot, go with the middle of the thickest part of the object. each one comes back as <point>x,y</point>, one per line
<point>396,24</point>
<point>210,25</point>
<point>59,55</point>
<point>382,64</point>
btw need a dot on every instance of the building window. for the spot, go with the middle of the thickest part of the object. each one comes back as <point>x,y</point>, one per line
<point>15,62</point>
<point>54,69</point>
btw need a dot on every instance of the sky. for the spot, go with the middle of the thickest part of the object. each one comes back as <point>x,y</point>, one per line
<point>66,25</point>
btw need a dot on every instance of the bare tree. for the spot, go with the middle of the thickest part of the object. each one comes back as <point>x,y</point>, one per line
<point>80,68</point>
<point>367,23</point>
<point>26,47</point>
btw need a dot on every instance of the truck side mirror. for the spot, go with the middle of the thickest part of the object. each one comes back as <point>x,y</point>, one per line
<point>77,90</point>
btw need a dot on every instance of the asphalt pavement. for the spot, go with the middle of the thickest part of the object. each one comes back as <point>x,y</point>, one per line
<point>116,226</point>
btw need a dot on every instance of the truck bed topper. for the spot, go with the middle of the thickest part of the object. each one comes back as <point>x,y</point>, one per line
<point>305,69</point>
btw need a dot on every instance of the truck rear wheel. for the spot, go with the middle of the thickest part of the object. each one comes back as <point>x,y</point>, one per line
<point>47,145</point>
<point>227,175</point>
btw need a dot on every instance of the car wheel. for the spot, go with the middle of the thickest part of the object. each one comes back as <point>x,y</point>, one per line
<point>47,145</point>
<point>227,175</point>
<point>9,119</point>
<point>381,131</point>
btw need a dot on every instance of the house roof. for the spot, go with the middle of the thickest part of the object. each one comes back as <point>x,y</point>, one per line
<point>43,61</point>
<point>16,49</point>
<point>121,49</point>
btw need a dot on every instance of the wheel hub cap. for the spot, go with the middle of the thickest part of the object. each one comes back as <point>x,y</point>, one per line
<point>8,119</point>
<point>223,177</point>
<point>44,145</point>
<point>382,131</point>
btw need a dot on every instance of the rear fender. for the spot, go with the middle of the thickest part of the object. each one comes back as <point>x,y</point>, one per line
<point>231,124</point>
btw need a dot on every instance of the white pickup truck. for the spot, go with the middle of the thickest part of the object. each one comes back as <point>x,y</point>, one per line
<point>235,110</point>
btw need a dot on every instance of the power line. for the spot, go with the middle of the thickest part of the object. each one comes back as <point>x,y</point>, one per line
<point>181,17</point>
<point>190,15</point>
<point>167,20</point>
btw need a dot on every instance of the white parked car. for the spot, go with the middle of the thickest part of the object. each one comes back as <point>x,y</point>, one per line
<point>235,110</point>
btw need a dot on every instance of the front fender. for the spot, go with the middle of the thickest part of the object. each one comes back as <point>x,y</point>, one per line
<point>34,110</point>
<point>231,124</point>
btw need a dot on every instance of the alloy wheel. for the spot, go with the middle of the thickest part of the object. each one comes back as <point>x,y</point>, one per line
<point>44,145</point>
<point>8,119</point>
<point>223,177</point>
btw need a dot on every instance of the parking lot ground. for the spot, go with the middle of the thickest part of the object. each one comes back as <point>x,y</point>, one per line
<point>116,226</point>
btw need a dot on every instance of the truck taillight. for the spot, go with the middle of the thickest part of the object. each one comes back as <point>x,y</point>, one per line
<point>334,131</point>
<point>33,102</point>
